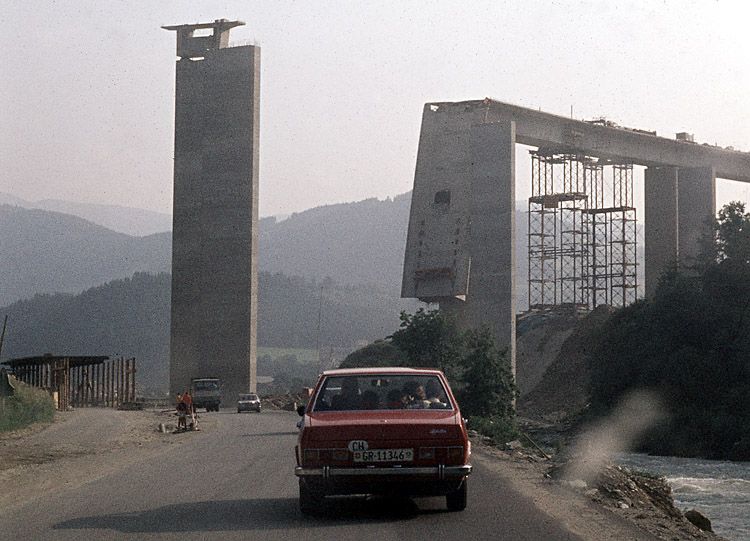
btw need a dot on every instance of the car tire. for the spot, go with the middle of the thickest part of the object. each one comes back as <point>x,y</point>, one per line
<point>456,500</point>
<point>309,501</point>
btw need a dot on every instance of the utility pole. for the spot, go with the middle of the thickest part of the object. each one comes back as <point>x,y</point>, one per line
<point>320,319</point>
<point>2,335</point>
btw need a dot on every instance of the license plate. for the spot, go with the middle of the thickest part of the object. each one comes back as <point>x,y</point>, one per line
<point>384,455</point>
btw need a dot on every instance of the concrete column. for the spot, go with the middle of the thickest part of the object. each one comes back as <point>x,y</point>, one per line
<point>661,215</point>
<point>696,209</point>
<point>491,298</point>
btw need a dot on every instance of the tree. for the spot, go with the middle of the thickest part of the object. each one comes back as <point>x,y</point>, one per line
<point>489,389</point>
<point>429,339</point>
<point>479,373</point>
<point>690,343</point>
<point>379,353</point>
<point>733,233</point>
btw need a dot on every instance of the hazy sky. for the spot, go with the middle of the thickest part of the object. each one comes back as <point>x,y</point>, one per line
<point>87,87</point>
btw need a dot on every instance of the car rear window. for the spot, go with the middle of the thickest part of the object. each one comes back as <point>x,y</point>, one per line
<point>205,385</point>
<point>382,392</point>
<point>248,397</point>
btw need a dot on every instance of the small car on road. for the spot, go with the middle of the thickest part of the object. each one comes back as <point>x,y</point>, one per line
<point>248,402</point>
<point>382,431</point>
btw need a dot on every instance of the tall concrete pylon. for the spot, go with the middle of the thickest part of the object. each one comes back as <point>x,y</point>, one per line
<point>215,228</point>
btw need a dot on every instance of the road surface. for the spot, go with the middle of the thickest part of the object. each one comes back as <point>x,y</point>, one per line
<point>234,480</point>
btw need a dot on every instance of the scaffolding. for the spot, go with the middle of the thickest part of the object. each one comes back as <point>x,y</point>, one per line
<point>582,232</point>
<point>557,217</point>
<point>613,244</point>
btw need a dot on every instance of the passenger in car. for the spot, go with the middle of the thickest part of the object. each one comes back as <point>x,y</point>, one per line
<point>393,400</point>
<point>349,398</point>
<point>435,395</point>
<point>414,396</point>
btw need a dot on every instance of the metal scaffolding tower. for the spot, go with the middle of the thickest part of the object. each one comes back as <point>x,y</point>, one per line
<point>613,246</point>
<point>582,232</point>
<point>557,230</point>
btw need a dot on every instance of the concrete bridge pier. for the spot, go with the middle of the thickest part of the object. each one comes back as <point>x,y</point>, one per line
<point>491,295</point>
<point>680,203</point>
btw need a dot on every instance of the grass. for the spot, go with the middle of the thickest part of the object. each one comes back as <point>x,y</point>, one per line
<point>25,407</point>
<point>304,355</point>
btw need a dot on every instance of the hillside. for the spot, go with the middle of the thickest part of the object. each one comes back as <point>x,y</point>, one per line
<point>51,252</point>
<point>131,317</point>
<point>128,220</point>
<point>353,243</point>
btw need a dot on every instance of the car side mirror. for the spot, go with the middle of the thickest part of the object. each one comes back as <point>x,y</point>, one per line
<point>301,410</point>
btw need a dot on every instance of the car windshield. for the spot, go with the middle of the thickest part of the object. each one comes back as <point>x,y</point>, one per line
<point>382,392</point>
<point>205,385</point>
<point>248,397</point>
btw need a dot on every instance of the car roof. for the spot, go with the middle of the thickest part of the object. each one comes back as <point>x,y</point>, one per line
<point>380,370</point>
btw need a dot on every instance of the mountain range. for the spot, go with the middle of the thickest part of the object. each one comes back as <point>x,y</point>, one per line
<point>359,243</point>
<point>131,221</point>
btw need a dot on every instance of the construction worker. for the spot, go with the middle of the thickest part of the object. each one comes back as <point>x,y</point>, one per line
<point>181,413</point>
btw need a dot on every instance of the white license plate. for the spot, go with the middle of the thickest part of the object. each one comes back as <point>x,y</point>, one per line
<point>384,455</point>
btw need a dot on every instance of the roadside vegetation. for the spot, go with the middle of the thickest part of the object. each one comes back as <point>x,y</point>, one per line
<point>478,371</point>
<point>24,407</point>
<point>689,344</point>
<point>290,373</point>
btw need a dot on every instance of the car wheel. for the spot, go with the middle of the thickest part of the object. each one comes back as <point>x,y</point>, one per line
<point>456,500</point>
<point>309,501</point>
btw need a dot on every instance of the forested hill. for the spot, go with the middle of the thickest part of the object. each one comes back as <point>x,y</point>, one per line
<point>131,317</point>
<point>353,243</point>
<point>50,252</point>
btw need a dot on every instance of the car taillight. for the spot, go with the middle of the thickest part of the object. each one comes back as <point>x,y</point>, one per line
<point>455,454</point>
<point>325,456</point>
<point>451,454</point>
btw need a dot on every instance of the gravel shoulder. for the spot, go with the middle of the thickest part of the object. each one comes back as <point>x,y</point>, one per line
<point>79,446</point>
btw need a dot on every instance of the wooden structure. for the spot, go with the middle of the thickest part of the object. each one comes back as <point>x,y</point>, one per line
<point>79,381</point>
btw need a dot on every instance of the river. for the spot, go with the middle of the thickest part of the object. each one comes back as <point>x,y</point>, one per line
<point>720,490</point>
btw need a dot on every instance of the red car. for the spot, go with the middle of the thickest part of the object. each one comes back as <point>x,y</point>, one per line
<point>382,431</point>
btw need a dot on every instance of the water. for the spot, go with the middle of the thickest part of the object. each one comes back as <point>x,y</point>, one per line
<point>719,490</point>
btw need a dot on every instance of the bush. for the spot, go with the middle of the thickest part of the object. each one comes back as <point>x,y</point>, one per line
<point>488,389</point>
<point>25,407</point>
<point>501,428</point>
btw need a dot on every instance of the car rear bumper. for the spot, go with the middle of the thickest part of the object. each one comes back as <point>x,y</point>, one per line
<point>248,408</point>
<point>413,481</point>
<point>428,472</point>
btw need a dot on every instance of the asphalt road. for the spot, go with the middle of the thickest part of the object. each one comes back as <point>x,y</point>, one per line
<point>235,480</point>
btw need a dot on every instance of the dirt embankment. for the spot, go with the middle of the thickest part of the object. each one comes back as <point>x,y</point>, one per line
<point>77,447</point>
<point>617,504</point>
<point>562,389</point>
